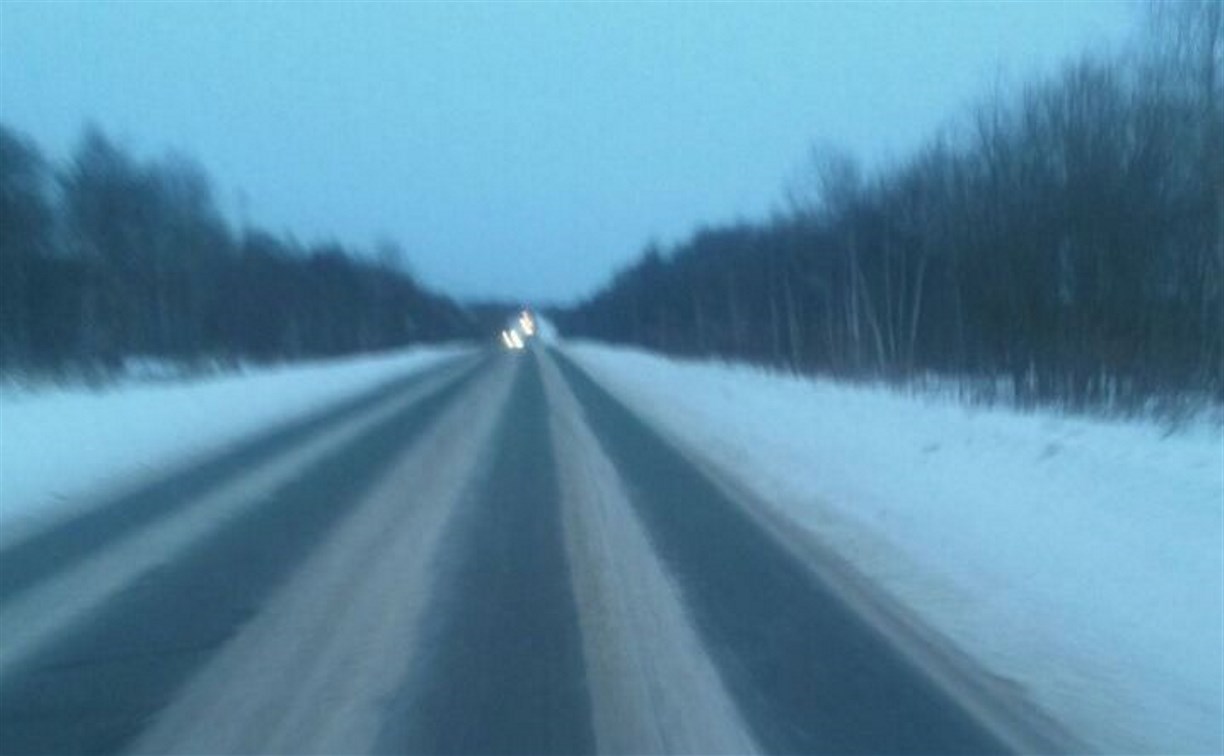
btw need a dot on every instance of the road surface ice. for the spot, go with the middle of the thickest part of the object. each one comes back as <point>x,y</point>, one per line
<point>1080,560</point>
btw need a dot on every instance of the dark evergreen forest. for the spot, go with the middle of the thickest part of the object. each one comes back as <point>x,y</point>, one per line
<point>109,258</point>
<point>1064,242</point>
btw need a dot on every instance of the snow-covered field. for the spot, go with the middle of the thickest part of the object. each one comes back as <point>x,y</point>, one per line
<point>1081,559</point>
<point>58,444</point>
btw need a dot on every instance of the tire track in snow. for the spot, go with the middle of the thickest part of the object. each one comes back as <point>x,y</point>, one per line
<point>97,687</point>
<point>53,549</point>
<point>807,674</point>
<point>313,671</point>
<point>653,688</point>
<point>500,668</point>
<point>36,615</point>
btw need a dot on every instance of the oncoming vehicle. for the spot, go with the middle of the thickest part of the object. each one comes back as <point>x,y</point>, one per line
<point>519,332</point>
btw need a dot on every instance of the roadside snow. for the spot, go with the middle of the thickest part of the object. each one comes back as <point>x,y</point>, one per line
<point>1082,559</point>
<point>60,445</point>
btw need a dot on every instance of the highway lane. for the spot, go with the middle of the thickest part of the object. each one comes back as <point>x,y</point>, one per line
<point>502,670</point>
<point>95,686</point>
<point>40,555</point>
<point>808,674</point>
<point>498,558</point>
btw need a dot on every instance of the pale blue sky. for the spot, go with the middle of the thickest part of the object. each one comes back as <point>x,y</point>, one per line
<point>518,150</point>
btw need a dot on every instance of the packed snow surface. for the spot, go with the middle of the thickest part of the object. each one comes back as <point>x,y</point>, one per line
<point>1081,559</point>
<point>59,445</point>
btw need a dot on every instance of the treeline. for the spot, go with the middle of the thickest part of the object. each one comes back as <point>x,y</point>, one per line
<point>1067,241</point>
<point>108,258</point>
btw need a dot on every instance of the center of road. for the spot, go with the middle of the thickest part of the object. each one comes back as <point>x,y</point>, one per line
<point>503,671</point>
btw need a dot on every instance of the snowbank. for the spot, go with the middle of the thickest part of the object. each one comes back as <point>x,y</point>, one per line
<point>59,444</point>
<point>1082,559</point>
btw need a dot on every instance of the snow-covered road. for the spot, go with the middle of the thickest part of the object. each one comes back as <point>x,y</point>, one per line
<point>582,549</point>
<point>1080,561</point>
<point>486,554</point>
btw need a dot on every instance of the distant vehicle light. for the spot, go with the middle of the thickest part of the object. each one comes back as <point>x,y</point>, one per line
<point>527,323</point>
<point>516,341</point>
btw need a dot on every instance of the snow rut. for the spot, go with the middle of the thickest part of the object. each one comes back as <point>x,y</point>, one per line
<point>312,672</point>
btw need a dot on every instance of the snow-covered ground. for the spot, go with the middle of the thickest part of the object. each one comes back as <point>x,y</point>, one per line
<point>1081,559</point>
<point>59,444</point>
